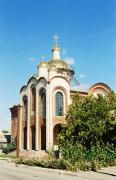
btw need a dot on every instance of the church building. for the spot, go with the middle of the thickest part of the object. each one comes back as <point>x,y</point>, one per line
<point>44,101</point>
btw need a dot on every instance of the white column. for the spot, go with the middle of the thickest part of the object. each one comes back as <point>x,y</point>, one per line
<point>20,126</point>
<point>51,101</point>
<point>28,121</point>
<point>47,116</point>
<point>37,122</point>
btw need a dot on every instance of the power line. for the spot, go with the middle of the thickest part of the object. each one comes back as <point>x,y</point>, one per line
<point>73,35</point>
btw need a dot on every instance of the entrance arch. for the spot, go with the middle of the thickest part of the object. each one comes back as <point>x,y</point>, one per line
<point>42,112</point>
<point>25,138</point>
<point>33,137</point>
<point>56,131</point>
<point>43,137</point>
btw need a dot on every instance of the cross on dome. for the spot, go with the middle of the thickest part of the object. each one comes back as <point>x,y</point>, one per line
<point>56,49</point>
<point>56,38</point>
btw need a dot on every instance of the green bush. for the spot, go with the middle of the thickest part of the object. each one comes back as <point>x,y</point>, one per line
<point>46,163</point>
<point>9,148</point>
<point>89,159</point>
<point>82,159</point>
<point>88,138</point>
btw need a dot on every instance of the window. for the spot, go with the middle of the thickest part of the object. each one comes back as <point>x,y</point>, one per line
<point>25,109</point>
<point>33,99</point>
<point>59,104</point>
<point>43,101</point>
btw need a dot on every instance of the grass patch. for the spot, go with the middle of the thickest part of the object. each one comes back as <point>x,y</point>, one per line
<point>5,156</point>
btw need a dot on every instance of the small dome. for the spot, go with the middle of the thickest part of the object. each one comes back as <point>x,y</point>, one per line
<point>56,48</point>
<point>56,53</point>
<point>43,64</point>
<point>58,64</point>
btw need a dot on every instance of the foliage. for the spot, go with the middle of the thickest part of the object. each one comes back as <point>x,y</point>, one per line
<point>5,131</point>
<point>89,136</point>
<point>90,160</point>
<point>88,121</point>
<point>46,163</point>
<point>10,147</point>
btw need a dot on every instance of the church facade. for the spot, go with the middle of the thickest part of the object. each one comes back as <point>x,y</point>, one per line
<point>44,101</point>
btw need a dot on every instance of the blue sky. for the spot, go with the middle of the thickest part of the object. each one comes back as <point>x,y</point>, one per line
<point>86,30</point>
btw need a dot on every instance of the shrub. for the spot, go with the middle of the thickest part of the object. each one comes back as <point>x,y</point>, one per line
<point>92,159</point>
<point>88,138</point>
<point>9,148</point>
<point>46,163</point>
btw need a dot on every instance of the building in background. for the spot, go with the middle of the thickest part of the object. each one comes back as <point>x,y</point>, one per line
<point>14,120</point>
<point>44,103</point>
<point>5,138</point>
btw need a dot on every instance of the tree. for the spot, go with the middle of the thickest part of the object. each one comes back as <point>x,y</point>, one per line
<point>90,122</point>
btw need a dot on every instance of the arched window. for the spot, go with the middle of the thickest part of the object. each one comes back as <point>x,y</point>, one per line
<point>33,99</point>
<point>25,108</point>
<point>43,104</point>
<point>59,104</point>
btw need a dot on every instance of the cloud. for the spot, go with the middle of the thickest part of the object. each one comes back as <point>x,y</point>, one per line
<point>82,76</point>
<point>82,88</point>
<point>69,61</point>
<point>32,59</point>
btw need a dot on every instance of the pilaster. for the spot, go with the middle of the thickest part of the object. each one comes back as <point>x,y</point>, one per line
<point>28,121</point>
<point>37,121</point>
<point>47,116</point>
<point>20,126</point>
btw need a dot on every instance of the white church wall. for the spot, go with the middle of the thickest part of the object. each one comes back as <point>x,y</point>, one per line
<point>43,71</point>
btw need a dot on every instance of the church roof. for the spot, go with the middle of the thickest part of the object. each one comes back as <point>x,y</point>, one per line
<point>87,88</point>
<point>81,88</point>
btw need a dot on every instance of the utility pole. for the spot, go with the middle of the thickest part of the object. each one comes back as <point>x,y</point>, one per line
<point>18,132</point>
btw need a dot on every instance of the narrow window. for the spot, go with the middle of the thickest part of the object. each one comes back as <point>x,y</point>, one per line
<point>33,99</point>
<point>43,99</point>
<point>59,104</point>
<point>25,109</point>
